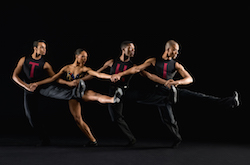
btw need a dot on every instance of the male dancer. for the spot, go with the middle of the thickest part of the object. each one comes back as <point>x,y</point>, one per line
<point>35,68</point>
<point>120,64</point>
<point>166,68</point>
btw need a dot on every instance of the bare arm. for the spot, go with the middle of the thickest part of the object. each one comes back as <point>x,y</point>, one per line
<point>155,78</point>
<point>134,69</point>
<point>16,78</point>
<point>96,74</point>
<point>105,66</point>
<point>49,69</point>
<point>51,79</point>
<point>51,73</point>
<point>186,77</point>
<point>109,63</point>
<point>138,68</point>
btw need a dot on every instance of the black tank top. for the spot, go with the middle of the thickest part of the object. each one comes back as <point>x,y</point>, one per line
<point>165,68</point>
<point>120,66</point>
<point>33,69</point>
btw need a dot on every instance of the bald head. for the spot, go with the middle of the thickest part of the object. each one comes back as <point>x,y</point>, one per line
<point>170,44</point>
<point>171,49</point>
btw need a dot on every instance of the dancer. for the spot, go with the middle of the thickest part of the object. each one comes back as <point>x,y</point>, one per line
<point>122,63</point>
<point>36,68</point>
<point>166,68</point>
<point>76,71</point>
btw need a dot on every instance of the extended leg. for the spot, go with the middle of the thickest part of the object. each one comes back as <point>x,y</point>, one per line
<point>188,93</point>
<point>93,96</point>
<point>59,92</point>
<point>228,102</point>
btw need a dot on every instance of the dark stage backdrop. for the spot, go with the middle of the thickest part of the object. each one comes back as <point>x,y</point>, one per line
<point>213,49</point>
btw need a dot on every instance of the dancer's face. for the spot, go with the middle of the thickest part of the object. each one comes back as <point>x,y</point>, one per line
<point>82,58</point>
<point>129,50</point>
<point>173,51</point>
<point>40,49</point>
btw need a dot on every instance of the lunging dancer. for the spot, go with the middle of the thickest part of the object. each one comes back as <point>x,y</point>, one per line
<point>74,72</point>
<point>165,94</point>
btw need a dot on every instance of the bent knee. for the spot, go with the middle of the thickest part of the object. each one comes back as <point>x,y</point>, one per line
<point>89,92</point>
<point>78,119</point>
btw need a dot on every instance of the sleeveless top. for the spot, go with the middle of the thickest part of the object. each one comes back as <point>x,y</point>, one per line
<point>165,68</point>
<point>33,69</point>
<point>120,66</point>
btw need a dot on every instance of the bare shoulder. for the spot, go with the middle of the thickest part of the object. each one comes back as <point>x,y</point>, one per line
<point>65,68</point>
<point>178,66</point>
<point>20,63</point>
<point>47,65</point>
<point>21,60</point>
<point>109,63</point>
<point>19,66</point>
<point>151,61</point>
<point>85,69</point>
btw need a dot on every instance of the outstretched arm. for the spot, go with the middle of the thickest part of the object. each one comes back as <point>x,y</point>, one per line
<point>51,73</point>
<point>107,64</point>
<point>133,70</point>
<point>96,74</point>
<point>51,79</point>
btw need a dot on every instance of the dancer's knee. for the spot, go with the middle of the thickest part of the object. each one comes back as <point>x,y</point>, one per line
<point>78,119</point>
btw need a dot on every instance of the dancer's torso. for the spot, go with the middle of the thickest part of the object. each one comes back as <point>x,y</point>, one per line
<point>165,68</point>
<point>34,69</point>
<point>120,66</point>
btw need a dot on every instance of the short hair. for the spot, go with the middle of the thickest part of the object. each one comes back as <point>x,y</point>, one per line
<point>124,44</point>
<point>170,43</point>
<point>35,43</point>
<point>79,51</point>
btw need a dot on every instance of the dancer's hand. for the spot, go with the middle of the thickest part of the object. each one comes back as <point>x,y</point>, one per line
<point>115,77</point>
<point>171,82</point>
<point>72,83</point>
<point>167,84</point>
<point>32,87</point>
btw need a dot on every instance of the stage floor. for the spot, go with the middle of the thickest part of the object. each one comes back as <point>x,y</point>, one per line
<point>68,150</point>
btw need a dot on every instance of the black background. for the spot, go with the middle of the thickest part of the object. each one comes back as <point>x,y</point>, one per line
<point>214,43</point>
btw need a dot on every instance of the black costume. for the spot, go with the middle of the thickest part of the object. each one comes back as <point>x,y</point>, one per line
<point>33,71</point>
<point>162,97</point>
<point>166,70</point>
<point>115,110</point>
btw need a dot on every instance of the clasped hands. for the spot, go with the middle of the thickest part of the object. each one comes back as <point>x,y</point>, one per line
<point>115,77</point>
<point>171,82</point>
<point>32,86</point>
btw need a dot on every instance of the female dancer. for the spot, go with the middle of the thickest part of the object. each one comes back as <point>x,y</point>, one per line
<point>74,73</point>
